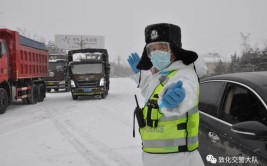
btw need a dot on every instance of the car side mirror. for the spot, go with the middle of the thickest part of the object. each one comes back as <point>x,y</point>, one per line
<point>252,130</point>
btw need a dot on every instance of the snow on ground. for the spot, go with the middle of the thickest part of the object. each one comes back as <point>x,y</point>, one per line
<point>64,132</point>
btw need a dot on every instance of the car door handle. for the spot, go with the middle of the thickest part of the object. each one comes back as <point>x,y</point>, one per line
<point>213,137</point>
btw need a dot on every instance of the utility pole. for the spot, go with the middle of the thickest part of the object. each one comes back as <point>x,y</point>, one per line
<point>119,59</point>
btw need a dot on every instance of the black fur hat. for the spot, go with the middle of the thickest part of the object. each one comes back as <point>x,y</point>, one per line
<point>167,33</point>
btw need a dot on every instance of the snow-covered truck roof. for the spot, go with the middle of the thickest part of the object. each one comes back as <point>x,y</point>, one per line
<point>88,55</point>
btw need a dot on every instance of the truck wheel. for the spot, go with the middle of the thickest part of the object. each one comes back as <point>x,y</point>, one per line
<point>74,97</point>
<point>3,100</point>
<point>34,98</point>
<point>25,101</point>
<point>103,95</point>
<point>41,92</point>
<point>56,89</point>
<point>48,90</point>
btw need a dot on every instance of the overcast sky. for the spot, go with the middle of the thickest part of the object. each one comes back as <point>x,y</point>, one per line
<point>207,25</point>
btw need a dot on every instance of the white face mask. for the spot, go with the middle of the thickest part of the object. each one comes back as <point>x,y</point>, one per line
<point>160,59</point>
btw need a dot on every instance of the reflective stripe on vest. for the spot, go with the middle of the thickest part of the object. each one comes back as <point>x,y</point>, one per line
<point>170,143</point>
<point>168,134</point>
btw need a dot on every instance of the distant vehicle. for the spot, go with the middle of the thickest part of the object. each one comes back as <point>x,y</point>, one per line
<point>89,71</point>
<point>233,117</point>
<point>23,68</point>
<point>58,73</point>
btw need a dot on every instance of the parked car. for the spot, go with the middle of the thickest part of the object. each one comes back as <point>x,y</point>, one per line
<point>233,119</point>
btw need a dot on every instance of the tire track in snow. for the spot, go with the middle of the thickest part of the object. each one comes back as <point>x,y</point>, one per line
<point>91,157</point>
<point>113,114</point>
<point>7,126</point>
<point>107,151</point>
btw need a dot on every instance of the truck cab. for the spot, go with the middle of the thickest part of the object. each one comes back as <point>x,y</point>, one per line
<point>89,71</point>
<point>58,77</point>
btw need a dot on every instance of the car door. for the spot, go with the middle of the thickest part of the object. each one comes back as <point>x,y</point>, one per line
<point>210,143</point>
<point>241,103</point>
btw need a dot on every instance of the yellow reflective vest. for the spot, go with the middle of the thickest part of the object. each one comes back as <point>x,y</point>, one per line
<point>168,134</point>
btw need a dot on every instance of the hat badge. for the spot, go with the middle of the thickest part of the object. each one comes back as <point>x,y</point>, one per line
<point>154,35</point>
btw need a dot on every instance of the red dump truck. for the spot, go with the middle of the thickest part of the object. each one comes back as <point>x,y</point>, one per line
<point>23,69</point>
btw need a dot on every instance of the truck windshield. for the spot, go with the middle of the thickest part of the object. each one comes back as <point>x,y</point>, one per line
<point>56,65</point>
<point>87,68</point>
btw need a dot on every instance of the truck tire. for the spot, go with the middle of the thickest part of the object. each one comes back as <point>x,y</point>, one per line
<point>41,92</point>
<point>25,101</point>
<point>3,100</point>
<point>74,97</point>
<point>56,89</point>
<point>48,90</point>
<point>103,95</point>
<point>106,92</point>
<point>34,98</point>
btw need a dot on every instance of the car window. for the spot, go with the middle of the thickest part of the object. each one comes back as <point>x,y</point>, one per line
<point>241,104</point>
<point>209,96</point>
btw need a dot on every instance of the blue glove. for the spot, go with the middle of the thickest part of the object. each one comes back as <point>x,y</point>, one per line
<point>174,96</point>
<point>133,61</point>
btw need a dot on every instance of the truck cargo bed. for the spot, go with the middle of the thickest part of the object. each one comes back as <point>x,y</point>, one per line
<point>28,58</point>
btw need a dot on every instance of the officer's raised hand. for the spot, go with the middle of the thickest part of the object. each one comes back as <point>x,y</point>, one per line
<point>133,60</point>
<point>174,95</point>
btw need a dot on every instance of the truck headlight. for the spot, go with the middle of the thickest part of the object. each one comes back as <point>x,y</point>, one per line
<point>72,84</point>
<point>102,82</point>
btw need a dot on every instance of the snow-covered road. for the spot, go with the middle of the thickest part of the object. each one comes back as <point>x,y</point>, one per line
<point>64,132</point>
